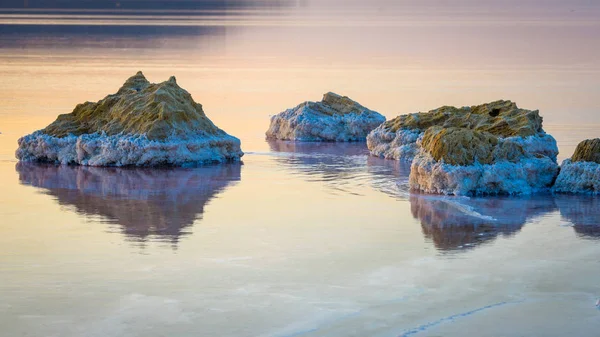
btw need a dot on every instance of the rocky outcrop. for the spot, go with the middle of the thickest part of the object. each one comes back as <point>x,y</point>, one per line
<point>587,151</point>
<point>493,148</point>
<point>396,138</point>
<point>334,119</point>
<point>143,124</point>
<point>581,173</point>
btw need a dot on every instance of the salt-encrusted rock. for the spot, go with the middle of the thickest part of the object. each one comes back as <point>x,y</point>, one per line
<point>581,173</point>
<point>143,124</point>
<point>495,148</point>
<point>334,119</point>
<point>396,138</point>
<point>489,165</point>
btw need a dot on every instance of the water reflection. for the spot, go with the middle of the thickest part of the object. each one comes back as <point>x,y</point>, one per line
<point>451,223</point>
<point>390,176</point>
<point>457,223</point>
<point>97,32</point>
<point>335,149</point>
<point>125,5</point>
<point>338,165</point>
<point>583,211</point>
<point>343,166</point>
<point>127,24</point>
<point>145,204</point>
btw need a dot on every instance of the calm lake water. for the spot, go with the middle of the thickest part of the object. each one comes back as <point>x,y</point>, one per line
<point>299,239</point>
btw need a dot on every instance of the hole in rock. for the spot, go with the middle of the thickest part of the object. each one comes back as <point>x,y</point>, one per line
<point>495,112</point>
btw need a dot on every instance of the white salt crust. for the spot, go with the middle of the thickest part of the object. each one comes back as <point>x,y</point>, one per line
<point>128,150</point>
<point>303,123</point>
<point>529,175</point>
<point>399,145</point>
<point>579,177</point>
<point>534,172</point>
<point>542,144</point>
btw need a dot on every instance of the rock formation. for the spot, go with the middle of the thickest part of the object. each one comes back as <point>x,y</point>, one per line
<point>143,124</point>
<point>397,138</point>
<point>334,119</point>
<point>493,148</point>
<point>581,173</point>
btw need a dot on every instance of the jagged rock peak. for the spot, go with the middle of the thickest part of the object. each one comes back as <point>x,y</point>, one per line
<point>136,82</point>
<point>139,107</point>
<point>588,150</point>
<point>334,104</point>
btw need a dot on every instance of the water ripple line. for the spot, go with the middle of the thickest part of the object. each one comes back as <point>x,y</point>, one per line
<point>426,326</point>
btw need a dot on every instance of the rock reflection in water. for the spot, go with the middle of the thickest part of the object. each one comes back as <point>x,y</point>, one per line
<point>343,166</point>
<point>583,211</point>
<point>336,149</point>
<point>455,223</point>
<point>390,176</point>
<point>339,165</point>
<point>146,204</point>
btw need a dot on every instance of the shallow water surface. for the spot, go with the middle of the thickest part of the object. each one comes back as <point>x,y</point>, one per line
<point>299,239</point>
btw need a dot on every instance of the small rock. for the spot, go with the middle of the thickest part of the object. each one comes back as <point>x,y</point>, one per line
<point>335,119</point>
<point>587,151</point>
<point>581,173</point>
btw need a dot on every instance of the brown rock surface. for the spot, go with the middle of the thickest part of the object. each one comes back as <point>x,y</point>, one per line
<point>139,107</point>
<point>587,150</point>
<point>334,104</point>
<point>458,146</point>
<point>500,118</point>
